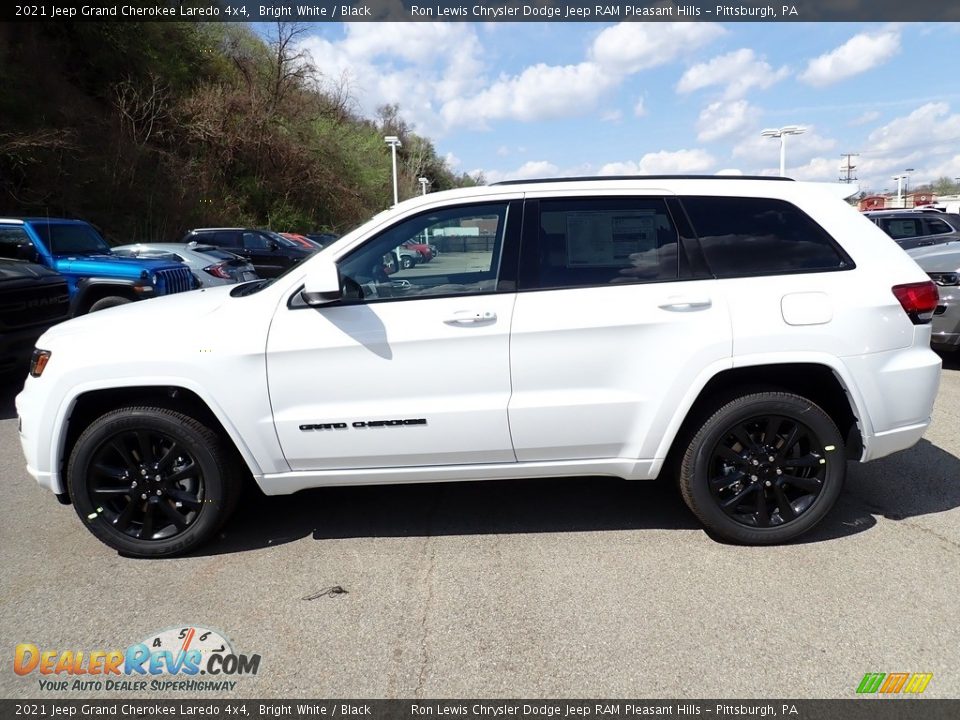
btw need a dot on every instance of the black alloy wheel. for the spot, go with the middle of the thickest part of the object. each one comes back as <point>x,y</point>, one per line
<point>764,468</point>
<point>767,471</point>
<point>151,481</point>
<point>148,486</point>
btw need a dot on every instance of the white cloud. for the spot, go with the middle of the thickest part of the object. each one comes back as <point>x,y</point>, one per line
<point>417,65</point>
<point>865,118</point>
<point>529,170</point>
<point>663,163</point>
<point>453,162</point>
<point>729,171</point>
<point>925,140</point>
<point>540,92</point>
<point>640,109</point>
<point>738,72</point>
<point>503,151</point>
<point>629,47</point>
<point>612,116</point>
<point>722,119</point>
<point>818,169</point>
<point>860,53</point>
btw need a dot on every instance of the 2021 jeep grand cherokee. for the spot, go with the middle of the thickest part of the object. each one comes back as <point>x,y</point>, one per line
<point>748,335</point>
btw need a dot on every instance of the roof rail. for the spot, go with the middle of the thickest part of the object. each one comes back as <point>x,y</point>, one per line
<point>598,178</point>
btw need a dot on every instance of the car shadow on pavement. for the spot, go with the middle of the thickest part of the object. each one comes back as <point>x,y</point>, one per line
<point>580,504</point>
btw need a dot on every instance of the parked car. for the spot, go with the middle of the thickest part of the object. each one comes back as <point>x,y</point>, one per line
<point>96,278</point>
<point>426,254</point>
<point>303,241</point>
<point>210,265</point>
<point>746,336</point>
<point>270,253</point>
<point>32,299</point>
<point>942,264</point>
<point>323,239</point>
<point>407,257</point>
<point>917,228</point>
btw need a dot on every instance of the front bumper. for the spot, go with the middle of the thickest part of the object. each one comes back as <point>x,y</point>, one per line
<point>946,320</point>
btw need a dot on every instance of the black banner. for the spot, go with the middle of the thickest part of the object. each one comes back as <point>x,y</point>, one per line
<point>483,11</point>
<point>854,709</point>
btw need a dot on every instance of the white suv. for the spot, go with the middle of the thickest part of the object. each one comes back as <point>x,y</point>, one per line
<point>747,336</point>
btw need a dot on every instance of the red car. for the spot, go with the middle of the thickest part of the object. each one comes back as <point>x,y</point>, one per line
<point>426,254</point>
<point>302,241</point>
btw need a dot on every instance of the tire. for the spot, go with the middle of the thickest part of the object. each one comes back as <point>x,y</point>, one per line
<point>405,262</point>
<point>763,469</point>
<point>108,302</point>
<point>193,475</point>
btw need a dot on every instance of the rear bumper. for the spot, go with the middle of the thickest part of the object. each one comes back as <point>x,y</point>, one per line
<point>946,321</point>
<point>897,391</point>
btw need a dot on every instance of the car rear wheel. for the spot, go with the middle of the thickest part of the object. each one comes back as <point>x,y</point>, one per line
<point>152,482</point>
<point>405,262</point>
<point>763,469</point>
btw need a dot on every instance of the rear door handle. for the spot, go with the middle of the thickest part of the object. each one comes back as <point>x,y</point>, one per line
<point>683,303</point>
<point>471,317</point>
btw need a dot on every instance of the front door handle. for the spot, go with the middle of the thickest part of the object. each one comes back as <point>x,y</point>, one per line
<point>471,317</point>
<point>683,303</point>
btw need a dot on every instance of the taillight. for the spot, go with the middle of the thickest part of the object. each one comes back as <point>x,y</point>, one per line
<point>918,300</point>
<point>217,270</point>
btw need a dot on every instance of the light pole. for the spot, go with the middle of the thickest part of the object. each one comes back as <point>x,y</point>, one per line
<point>906,184</point>
<point>394,142</point>
<point>899,179</point>
<point>424,184</point>
<point>782,134</point>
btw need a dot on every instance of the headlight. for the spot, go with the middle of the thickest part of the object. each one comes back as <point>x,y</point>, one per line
<point>38,362</point>
<point>945,279</point>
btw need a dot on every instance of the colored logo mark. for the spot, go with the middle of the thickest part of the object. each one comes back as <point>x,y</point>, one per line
<point>893,683</point>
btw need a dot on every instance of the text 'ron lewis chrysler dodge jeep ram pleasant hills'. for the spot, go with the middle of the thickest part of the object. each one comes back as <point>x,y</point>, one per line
<point>745,336</point>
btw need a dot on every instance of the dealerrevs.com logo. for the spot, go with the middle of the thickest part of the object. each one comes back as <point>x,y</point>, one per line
<point>191,659</point>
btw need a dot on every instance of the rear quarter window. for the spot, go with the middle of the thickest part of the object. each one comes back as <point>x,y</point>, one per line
<point>761,236</point>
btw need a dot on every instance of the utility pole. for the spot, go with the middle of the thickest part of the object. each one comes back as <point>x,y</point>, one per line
<point>848,167</point>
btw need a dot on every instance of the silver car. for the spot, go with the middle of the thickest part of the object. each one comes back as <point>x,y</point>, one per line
<point>210,265</point>
<point>942,264</point>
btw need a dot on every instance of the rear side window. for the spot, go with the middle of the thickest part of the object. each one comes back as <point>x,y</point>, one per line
<point>937,227</point>
<point>605,241</point>
<point>899,228</point>
<point>760,236</point>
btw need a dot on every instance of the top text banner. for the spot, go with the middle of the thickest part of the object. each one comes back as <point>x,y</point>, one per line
<point>485,11</point>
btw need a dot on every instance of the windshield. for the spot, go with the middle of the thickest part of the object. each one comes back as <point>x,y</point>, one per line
<point>71,238</point>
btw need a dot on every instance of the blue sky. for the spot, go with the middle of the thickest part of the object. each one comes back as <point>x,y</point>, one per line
<point>517,100</point>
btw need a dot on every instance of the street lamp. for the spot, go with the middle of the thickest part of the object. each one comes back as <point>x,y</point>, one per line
<point>906,184</point>
<point>899,179</point>
<point>424,183</point>
<point>782,134</point>
<point>394,142</point>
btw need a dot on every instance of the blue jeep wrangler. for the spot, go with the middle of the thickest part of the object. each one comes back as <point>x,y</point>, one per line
<point>96,278</point>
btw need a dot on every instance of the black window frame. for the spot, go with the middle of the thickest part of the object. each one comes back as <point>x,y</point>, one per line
<point>846,261</point>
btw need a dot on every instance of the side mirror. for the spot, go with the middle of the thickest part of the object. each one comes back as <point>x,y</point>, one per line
<point>273,245</point>
<point>322,285</point>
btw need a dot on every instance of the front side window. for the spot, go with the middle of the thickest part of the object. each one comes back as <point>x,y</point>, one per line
<point>256,241</point>
<point>604,241</point>
<point>470,240</point>
<point>760,236</point>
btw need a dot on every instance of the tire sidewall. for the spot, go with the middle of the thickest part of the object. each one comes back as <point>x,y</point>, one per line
<point>742,410</point>
<point>107,427</point>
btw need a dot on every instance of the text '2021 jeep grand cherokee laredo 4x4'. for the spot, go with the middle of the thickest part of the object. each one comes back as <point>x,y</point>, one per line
<point>749,335</point>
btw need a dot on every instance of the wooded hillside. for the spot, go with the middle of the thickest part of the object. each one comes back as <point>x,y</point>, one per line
<point>147,129</point>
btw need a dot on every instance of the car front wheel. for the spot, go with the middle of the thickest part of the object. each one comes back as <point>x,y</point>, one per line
<point>764,468</point>
<point>152,482</point>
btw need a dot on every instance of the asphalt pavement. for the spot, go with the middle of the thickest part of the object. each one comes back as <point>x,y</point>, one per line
<point>583,587</point>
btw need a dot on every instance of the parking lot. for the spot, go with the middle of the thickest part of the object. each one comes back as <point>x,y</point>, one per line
<point>582,587</point>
